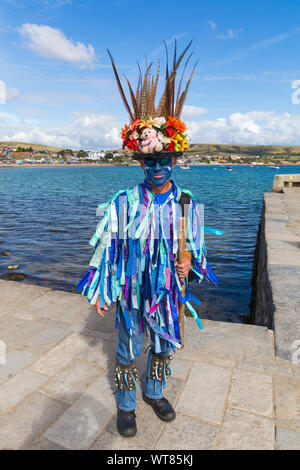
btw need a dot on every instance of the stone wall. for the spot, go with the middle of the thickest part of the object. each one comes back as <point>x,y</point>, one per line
<point>261,302</point>
<point>275,300</point>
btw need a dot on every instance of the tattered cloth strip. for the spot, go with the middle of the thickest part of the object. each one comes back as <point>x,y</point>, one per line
<point>135,248</point>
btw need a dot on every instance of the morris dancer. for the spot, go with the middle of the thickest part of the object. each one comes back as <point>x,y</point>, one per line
<point>136,247</point>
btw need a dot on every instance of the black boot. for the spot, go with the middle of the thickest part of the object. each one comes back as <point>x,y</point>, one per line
<point>162,408</point>
<point>126,423</point>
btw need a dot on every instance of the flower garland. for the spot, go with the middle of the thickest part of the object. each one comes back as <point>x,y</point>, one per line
<point>154,135</point>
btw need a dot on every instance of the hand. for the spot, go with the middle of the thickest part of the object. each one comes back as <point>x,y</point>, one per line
<point>99,310</point>
<point>183,269</point>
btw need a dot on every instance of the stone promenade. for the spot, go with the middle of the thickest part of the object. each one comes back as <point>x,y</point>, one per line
<point>56,387</point>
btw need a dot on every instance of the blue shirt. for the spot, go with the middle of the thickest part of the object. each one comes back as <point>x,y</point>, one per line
<point>162,197</point>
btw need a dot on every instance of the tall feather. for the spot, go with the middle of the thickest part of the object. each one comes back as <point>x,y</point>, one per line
<point>182,55</point>
<point>140,85</point>
<point>144,104</point>
<point>184,93</point>
<point>153,92</point>
<point>161,108</point>
<point>173,82</point>
<point>133,100</point>
<point>167,85</point>
<point>179,87</point>
<point>143,100</point>
<point>120,87</point>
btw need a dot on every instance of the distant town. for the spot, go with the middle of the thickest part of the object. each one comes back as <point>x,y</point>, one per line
<point>29,154</point>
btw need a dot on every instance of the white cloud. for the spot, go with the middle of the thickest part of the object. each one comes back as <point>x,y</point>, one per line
<point>190,112</point>
<point>85,130</point>
<point>94,131</point>
<point>230,34</point>
<point>212,24</point>
<point>11,94</point>
<point>254,127</point>
<point>52,43</point>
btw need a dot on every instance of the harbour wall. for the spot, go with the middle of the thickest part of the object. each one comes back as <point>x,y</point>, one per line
<point>275,300</point>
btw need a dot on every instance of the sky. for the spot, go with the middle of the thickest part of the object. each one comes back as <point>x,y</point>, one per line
<point>57,86</point>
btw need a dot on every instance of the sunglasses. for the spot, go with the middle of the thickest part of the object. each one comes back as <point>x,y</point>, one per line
<point>163,161</point>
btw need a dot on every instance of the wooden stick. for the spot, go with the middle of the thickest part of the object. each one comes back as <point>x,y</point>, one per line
<point>181,258</point>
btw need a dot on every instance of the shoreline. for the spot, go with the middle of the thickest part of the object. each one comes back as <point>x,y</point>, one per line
<point>48,165</point>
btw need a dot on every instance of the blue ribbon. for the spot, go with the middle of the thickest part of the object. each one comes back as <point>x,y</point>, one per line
<point>83,281</point>
<point>213,230</point>
<point>186,301</point>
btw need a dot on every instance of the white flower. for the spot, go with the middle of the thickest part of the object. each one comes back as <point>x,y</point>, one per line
<point>158,121</point>
<point>162,138</point>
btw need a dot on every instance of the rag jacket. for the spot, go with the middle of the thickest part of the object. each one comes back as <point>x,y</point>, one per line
<point>133,264</point>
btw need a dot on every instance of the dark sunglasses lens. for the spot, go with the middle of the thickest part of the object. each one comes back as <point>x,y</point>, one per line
<point>165,161</point>
<point>150,161</point>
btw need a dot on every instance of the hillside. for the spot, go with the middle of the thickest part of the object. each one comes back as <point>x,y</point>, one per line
<point>262,150</point>
<point>284,152</point>
<point>39,147</point>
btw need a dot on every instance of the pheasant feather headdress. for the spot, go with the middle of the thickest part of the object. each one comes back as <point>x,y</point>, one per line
<point>156,128</point>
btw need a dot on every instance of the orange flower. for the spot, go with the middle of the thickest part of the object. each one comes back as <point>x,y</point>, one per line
<point>176,123</point>
<point>124,131</point>
<point>135,124</point>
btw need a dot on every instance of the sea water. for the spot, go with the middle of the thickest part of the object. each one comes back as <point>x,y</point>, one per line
<point>48,215</point>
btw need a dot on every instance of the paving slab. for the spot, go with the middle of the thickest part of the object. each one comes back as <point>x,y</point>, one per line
<point>245,431</point>
<point>16,360</point>
<point>187,433</point>
<point>287,402</point>
<point>287,439</point>
<point>204,392</point>
<point>85,419</point>
<point>110,439</point>
<point>59,356</point>
<point>15,296</point>
<point>180,367</point>
<point>60,305</point>
<point>69,383</point>
<point>17,388</point>
<point>234,341</point>
<point>30,419</point>
<point>45,444</point>
<point>100,353</point>
<point>45,339</point>
<point>287,333</point>
<point>251,392</point>
<point>16,336</point>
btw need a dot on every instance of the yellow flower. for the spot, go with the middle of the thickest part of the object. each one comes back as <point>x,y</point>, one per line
<point>183,146</point>
<point>147,123</point>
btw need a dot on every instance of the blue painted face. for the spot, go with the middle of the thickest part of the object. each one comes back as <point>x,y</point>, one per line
<point>158,171</point>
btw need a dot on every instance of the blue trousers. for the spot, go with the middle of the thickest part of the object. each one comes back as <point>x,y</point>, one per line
<point>126,400</point>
